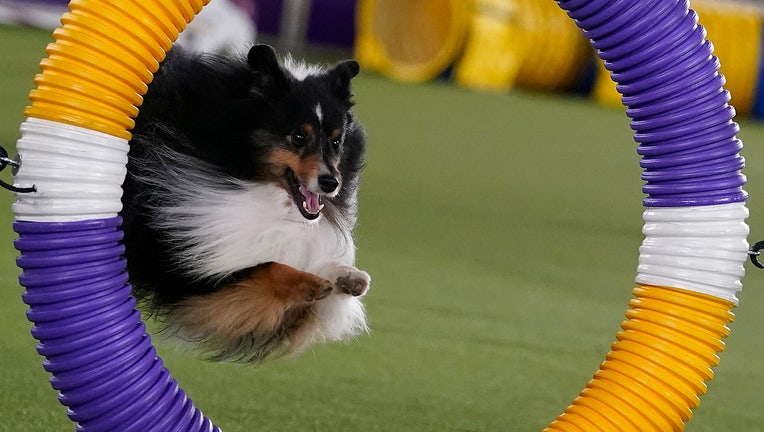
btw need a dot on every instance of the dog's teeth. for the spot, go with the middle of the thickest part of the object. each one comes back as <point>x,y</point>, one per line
<point>305,206</point>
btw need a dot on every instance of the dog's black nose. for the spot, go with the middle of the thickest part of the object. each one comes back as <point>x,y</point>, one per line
<point>328,183</point>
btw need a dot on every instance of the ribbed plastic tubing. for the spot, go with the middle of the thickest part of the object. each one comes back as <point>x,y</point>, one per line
<point>74,144</point>
<point>691,260</point>
<point>73,147</point>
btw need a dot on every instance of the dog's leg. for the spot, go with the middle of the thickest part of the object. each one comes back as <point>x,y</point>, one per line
<point>256,301</point>
<point>347,279</point>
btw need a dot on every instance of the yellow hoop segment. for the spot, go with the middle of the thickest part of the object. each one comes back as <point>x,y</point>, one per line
<point>102,60</point>
<point>652,378</point>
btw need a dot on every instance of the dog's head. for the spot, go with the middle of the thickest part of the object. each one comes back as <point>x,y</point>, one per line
<point>308,142</point>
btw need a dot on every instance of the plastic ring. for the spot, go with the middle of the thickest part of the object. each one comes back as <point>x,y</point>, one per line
<point>89,329</point>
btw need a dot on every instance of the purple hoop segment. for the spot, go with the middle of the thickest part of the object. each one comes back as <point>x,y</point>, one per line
<point>669,80</point>
<point>96,347</point>
<point>92,336</point>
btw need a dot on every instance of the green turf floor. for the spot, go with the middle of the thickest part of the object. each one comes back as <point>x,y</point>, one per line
<point>501,233</point>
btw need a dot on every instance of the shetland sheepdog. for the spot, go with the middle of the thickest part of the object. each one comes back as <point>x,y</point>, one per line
<point>240,203</point>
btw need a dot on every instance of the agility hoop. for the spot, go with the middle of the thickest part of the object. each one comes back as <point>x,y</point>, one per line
<point>74,145</point>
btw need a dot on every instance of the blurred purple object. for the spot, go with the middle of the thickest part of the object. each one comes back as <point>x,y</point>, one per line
<point>268,16</point>
<point>36,13</point>
<point>330,22</point>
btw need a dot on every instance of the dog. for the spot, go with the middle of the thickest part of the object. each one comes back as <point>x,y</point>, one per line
<point>240,202</point>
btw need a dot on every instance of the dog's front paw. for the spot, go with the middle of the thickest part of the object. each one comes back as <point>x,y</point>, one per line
<point>348,279</point>
<point>355,283</point>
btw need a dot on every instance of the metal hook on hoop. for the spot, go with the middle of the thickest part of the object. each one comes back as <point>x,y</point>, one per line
<point>755,252</point>
<point>4,162</point>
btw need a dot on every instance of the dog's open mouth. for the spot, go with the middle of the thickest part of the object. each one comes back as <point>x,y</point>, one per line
<point>309,203</point>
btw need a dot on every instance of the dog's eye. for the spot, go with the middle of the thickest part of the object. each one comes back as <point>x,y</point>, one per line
<point>299,139</point>
<point>336,143</point>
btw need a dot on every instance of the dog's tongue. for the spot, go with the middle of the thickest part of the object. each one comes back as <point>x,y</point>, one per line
<point>312,203</point>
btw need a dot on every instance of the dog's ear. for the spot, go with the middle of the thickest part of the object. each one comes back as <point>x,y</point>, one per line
<point>268,77</point>
<point>340,76</point>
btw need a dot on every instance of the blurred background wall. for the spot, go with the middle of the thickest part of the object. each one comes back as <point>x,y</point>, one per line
<point>490,45</point>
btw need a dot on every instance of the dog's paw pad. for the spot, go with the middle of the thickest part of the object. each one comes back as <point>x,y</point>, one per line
<point>355,282</point>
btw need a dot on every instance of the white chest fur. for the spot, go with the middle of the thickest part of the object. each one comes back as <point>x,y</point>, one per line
<point>216,231</point>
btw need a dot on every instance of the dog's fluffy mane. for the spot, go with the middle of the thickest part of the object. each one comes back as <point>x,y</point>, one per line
<point>196,211</point>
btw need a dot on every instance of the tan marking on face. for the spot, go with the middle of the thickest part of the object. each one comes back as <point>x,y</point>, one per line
<point>307,129</point>
<point>336,133</point>
<point>307,169</point>
<point>283,157</point>
<point>278,160</point>
<point>304,168</point>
